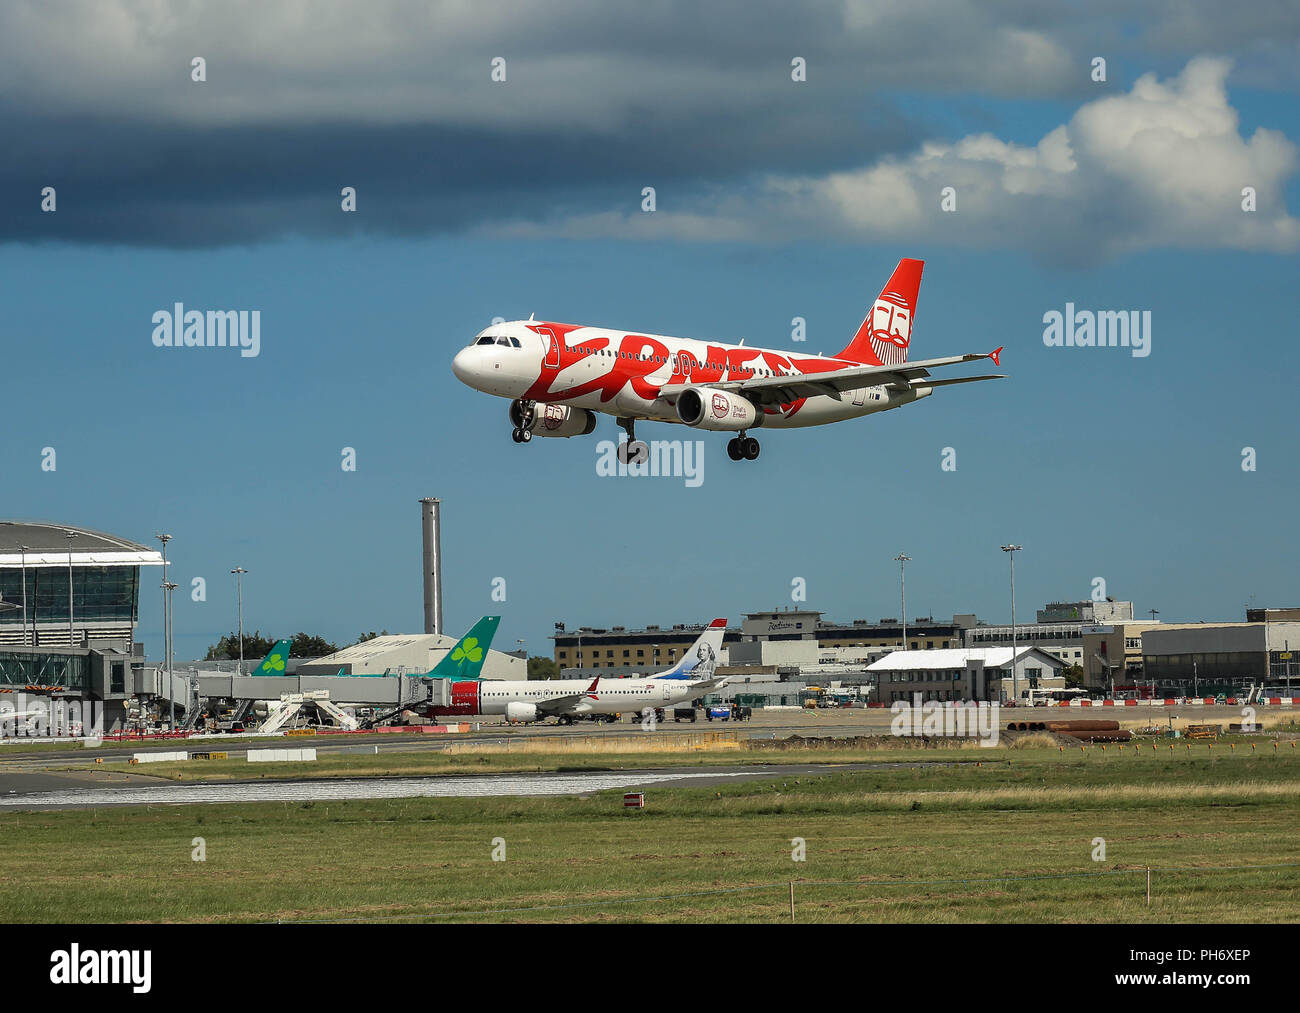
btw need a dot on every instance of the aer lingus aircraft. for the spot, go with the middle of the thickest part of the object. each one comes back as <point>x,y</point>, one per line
<point>566,699</point>
<point>557,376</point>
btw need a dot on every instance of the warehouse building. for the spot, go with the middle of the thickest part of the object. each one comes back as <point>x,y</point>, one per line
<point>966,673</point>
<point>1210,659</point>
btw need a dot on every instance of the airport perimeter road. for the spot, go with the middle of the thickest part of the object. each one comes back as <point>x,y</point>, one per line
<point>71,791</point>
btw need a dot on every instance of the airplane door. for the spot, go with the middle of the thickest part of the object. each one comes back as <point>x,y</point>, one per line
<point>552,357</point>
<point>684,364</point>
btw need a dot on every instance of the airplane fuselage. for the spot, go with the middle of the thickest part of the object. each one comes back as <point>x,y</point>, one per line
<point>610,696</point>
<point>621,374</point>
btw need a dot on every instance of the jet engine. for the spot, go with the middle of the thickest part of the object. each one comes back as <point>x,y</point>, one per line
<point>521,712</point>
<point>704,408</point>
<point>553,419</point>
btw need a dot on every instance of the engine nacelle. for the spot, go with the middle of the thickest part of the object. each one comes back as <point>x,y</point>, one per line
<point>555,420</point>
<point>717,410</point>
<point>521,712</point>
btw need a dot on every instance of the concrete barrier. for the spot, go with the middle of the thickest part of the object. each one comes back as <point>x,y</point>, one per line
<point>281,755</point>
<point>159,757</point>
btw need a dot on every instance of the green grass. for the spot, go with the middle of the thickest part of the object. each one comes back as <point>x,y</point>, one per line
<point>1010,840</point>
<point>396,763</point>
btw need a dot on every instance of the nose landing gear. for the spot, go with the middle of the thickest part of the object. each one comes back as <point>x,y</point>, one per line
<point>743,448</point>
<point>522,414</point>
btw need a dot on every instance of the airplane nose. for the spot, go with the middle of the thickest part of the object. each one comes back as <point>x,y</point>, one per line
<point>460,365</point>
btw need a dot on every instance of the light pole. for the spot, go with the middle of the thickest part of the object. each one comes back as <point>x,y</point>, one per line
<point>1154,613</point>
<point>239,572</point>
<point>1015,681</point>
<point>168,588</point>
<point>70,535</point>
<point>902,561</point>
<point>167,642</point>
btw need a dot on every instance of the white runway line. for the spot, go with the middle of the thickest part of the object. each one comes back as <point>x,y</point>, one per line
<point>327,790</point>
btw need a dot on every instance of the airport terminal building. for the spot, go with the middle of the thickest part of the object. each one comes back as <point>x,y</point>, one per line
<point>69,605</point>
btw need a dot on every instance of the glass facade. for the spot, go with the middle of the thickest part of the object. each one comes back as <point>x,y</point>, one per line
<point>68,671</point>
<point>1231,667</point>
<point>99,593</point>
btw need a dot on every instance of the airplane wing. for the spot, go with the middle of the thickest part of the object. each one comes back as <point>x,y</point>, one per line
<point>784,389</point>
<point>709,685</point>
<point>567,703</point>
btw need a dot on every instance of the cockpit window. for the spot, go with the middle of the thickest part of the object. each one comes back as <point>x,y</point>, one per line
<point>486,340</point>
<point>502,341</point>
<point>515,342</point>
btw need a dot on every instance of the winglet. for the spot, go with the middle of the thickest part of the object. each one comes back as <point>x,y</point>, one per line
<point>995,354</point>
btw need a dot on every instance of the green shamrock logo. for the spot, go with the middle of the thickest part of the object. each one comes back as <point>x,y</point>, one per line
<point>275,662</point>
<point>467,651</point>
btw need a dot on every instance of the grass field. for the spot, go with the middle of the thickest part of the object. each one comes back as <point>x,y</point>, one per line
<point>1008,840</point>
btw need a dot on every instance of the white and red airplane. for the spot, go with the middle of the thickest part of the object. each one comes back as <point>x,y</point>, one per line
<point>566,699</point>
<point>559,375</point>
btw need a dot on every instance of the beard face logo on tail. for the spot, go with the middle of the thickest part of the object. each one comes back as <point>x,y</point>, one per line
<point>891,328</point>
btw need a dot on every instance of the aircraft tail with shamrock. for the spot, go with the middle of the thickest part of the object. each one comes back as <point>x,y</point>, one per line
<point>464,661</point>
<point>273,663</point>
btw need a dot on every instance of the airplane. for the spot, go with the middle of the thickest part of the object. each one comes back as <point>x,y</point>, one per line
<point>567,699</point>
<point>558,376</point>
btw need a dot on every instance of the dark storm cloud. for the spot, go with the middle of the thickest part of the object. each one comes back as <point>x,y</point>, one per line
<point>395,99</point>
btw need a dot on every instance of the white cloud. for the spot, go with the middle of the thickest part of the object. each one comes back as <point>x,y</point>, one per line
<point>1162,165</point>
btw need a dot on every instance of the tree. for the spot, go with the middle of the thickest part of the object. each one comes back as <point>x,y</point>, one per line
<point>308,646</point>
<point>257,647</point>
<point>227,648</point>
<point>1073,675</point>
<point>371,636</point>
<point>543,668</point>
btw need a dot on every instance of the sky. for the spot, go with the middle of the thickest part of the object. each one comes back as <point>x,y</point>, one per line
<point>775,199</point>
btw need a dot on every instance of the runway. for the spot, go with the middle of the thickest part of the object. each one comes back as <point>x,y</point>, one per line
<point>453,786</point>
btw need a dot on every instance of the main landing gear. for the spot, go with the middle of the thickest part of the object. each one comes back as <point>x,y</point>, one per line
<point>523,413</point>
<point>633,451</point>
<point>743,448</point>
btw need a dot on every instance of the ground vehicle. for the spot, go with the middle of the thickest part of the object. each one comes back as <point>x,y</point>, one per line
<point>684,714</point>
<point>743,713</point>
<point>718,713</point>
<point>1045,697</point>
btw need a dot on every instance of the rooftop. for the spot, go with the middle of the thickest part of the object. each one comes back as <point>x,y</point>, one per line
<point>44,544</point>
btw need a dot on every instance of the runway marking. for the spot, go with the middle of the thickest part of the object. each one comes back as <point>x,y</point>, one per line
<point>330,790</point>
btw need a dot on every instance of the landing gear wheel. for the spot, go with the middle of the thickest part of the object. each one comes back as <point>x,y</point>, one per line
<point>733,449</point>
<point>517,435</point>
<point>633,452</point>
<point>527,434</point>
<point>749,447</point>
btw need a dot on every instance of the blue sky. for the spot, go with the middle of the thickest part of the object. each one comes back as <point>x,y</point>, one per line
<point>1100,464</point>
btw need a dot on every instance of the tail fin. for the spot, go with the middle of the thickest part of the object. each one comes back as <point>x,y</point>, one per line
<point>465,660</point>
<point>702,657</point>
<point>884,336</point>
<point>273,663</point>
